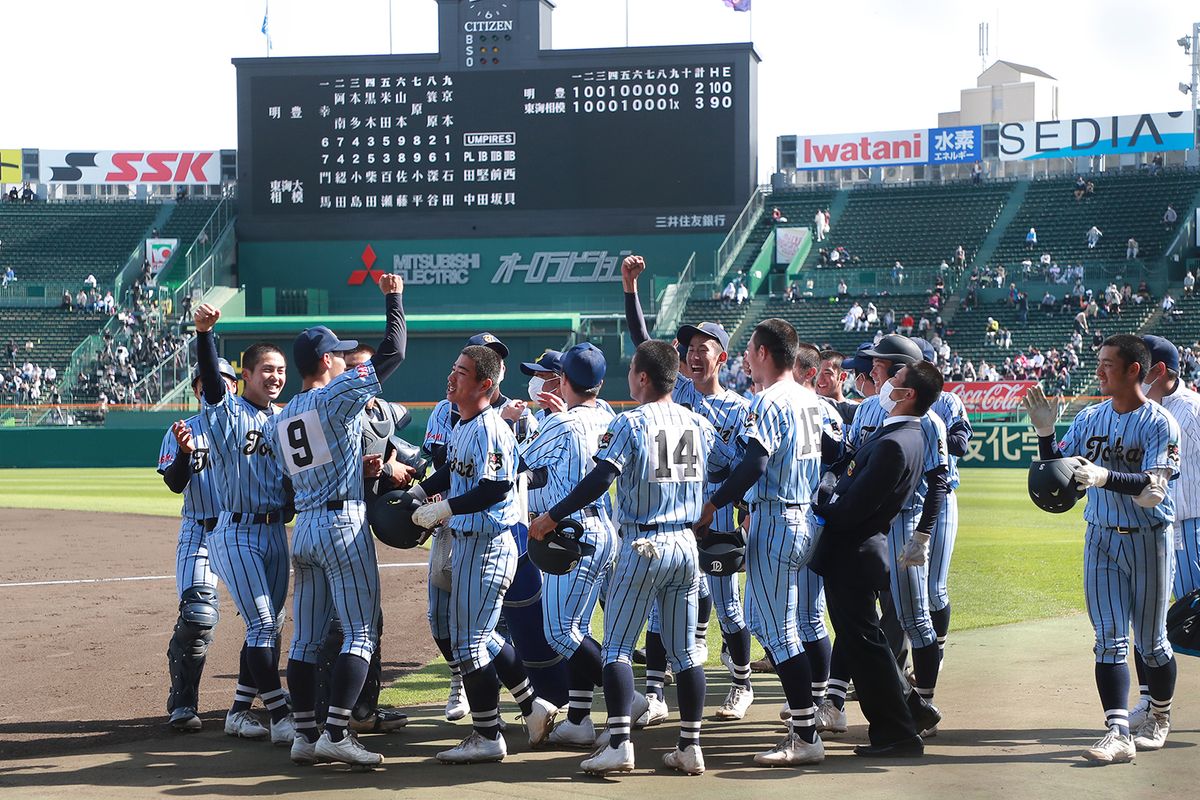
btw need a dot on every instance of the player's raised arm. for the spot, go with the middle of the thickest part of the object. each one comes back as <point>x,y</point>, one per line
<point>206,317</point>
<point>631,268</point>
<point>390,353</point>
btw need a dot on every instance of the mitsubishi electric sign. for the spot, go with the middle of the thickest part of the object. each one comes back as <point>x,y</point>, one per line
<point>1093,136</point>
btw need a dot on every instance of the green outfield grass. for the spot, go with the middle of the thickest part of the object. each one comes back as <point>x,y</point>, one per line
<point>1012,562</point>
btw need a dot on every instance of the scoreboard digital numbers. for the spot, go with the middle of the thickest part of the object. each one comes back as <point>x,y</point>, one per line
<point>640,140</point>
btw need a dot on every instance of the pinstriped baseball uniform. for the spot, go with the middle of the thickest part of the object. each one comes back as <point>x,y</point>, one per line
<point>539,499</point>
<point>192,567</point>
<point>250,558</point>
<point>1127,576</point>
<point>318,440</point>
<point>662,452</point>
<point>1184,405</point>
<point>565,444</point>
<point>485,553</point>
<point>950,410</point>
<point>786,419</point>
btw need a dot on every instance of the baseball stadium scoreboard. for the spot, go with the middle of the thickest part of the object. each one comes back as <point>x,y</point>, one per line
<point>496,136</point>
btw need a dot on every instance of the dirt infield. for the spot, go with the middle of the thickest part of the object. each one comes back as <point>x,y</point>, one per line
<point>82,688</point>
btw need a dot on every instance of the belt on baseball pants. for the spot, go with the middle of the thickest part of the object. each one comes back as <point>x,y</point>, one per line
<point>209,524</point>
<point>586,511</point>
<point>269,518</point>
<point>669,527</point>
<point>1127,531</point>
<point>754,506</point>
<point>330,505</point>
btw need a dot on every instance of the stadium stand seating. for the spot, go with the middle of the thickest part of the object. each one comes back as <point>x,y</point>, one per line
<point>187,220</point>
<point>798,208</point>
<point>55,334</point>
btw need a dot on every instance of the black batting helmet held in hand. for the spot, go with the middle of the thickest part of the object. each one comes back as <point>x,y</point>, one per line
<point>1051,485</point>
<point>1183,624</point>
<point>391,519</point>
<point>722,553</point>
<point>561,550</point>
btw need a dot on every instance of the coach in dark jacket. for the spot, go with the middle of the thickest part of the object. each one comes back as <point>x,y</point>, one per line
<point>852,555</point>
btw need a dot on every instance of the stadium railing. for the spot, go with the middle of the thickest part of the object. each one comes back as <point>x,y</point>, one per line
<point>674,300</point>
<point>725,254</point>
<point>32,295</point>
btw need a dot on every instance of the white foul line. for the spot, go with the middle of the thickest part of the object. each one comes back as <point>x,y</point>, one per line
<point>148,578</point>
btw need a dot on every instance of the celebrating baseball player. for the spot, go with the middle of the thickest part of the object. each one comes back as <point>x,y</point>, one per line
<point>1125,451</point>
<point>248,547</point>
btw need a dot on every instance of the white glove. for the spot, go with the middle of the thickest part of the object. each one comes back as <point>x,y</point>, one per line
<point>915,552</point>
<point>431,515</point>
<point>1087,474</point>
<point>1042,410</point>
<point>644,548</point>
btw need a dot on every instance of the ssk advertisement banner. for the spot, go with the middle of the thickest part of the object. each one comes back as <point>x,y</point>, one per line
<point>149,167</point>
<point>1092,136</point>
<point>890,148</point>
<point>990,397</point>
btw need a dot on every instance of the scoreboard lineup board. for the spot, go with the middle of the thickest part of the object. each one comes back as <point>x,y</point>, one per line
<point>539,143</point>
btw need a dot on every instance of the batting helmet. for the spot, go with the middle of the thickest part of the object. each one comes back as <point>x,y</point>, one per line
<point>1051,485</point>
<point>722,553</point>
<point>223,367</point>
<point>561,550</point>
<point>897,349</point>
<point>1183,624</point>
<point>391,518</point>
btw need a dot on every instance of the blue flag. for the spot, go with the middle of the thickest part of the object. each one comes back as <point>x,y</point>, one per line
<point>738,5</point>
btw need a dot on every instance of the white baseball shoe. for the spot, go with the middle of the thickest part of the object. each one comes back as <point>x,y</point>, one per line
<point>791,752</point>
<point>572,734</point>
<point>303,751</point>
<point>830,718</point>
<point>283,732</point>
<point>540,721</point>
<point>1113,748</point>
<point>347,751</point>
<point>656,712</point>
<point>689,760</point>
<point>1152,734</point>
<point>609,759</point>
<point>457,706</point>
<point>929,733</point>
<point>1139,713</point>
<point>475,749</point>
<point>184,719</point>
<point>244,725</point>
<point>737,702</point>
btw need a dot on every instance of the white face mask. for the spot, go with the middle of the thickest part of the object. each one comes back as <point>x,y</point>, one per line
<point>1146,387</point>
<point>885,396</point>
<point>537,385</point>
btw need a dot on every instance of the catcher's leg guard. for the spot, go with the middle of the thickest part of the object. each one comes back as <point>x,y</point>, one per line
<point>188,647</point>
<point>523,612</point>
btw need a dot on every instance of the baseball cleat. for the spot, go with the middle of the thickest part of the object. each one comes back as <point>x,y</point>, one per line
<point>785,713</point>
<point>762,665</point>
<point>347,751</point>
<point>791,752</point>
<point>244,725</point>
<point>303,751</point>
<point>475,749</point>
<point>539,721</point>
<point>656,712</point>
<point>830,718</point>
<point>184,719</point>
<point>384,720</point>
<point>689,760</point>
<point>457,706</point>
<point>1113,748</point>
<point>737,703</point>
<point>929,733</point>
<point>609,759</point>
<point>1152,735</point>
<point>573,734</point>
<point>641,705</point>
<point>1139,713</point>
<point>283,732</point>
<point>727,660</point>
<point>668,676</point>
<point>639,655</point>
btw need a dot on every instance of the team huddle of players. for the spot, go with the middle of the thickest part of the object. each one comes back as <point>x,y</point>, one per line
<point>691,460</point>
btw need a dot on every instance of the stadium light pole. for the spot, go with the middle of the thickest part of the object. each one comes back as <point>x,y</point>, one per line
<point>1191,45</point>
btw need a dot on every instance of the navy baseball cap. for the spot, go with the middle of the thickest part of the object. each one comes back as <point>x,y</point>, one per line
<point>223,368</point>
<point>584,365</point>
<point>712,329</point>
<point>858,362</point>
<point>926,349</point>
<point>312,343</point>
<point>549,361</point>
<point>486,339</point>
<point>1162,352</point>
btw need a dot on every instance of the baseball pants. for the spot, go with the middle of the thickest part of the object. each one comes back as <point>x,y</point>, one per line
<point>654,624</point>
<point>252,561</point>
<point>941,547</point>
<point>483,567</point>
<point>1187,556</point>
<point>812,607</point>
<point>1127,582</point>
<point>569,600</point>
<point>777,550</point>
<point>192,566</point>
<point>910,586</point>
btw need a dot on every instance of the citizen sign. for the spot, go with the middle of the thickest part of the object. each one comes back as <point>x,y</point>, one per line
<point>995,397</point>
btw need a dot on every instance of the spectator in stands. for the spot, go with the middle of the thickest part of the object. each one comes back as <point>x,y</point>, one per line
<point>1001,275</point>
<point>897,273</point>
<point>889,321</point>
<point>1081,322</point>
<point>1031,239</point>
<point>110,304</point>
<point>835,257</point>
<point>923,326</point>
<point>1189,283</point>
<point>1168,306</point>
<point>977,174</point>
<point>1013,294</point>
<point>729,293</point>
<point>67,303</point>
<point>1053,273</point>
<point>819,225</point>
<point>990,329</point>
<point>870,317</point>
<point>1080,187</point>
<point>89,282</point>
<point>1022,307</point>
<point>1027,266</point>
<point>1156,164</point>
<point>968,371</point>
<point>1089,189</point>
<point>1169,218</point>
<point>1093,237</point>
<point>788,296</point>
<point>742,293</point>
<point>1004,339</point>
<point>1097,339</point>
<point>842,290</point>
<point>1143,293</point>
<point>9,276</point>
<point>935,303</point>
<point>851,319</point>
<point>960,256</point>
<point>81,301</point>
<point>822,258</point>
<point>777,217</point>
<point>1131,248</point>
<point>12,194</point>
<point>27,194</point>
<point>970,299</point>
<point>906,325</point>
<point>1048,303</point>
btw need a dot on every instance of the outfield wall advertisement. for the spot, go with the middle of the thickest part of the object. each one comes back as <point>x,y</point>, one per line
<point>990,397</point>
<point>890,148</point>
<point>1093,136</point>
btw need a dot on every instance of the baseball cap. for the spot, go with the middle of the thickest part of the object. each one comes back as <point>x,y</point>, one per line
<point>223,368</point>
<point>486,339</point>
<point>549,361</point>
<point>858,362</point>
<point>312,343</point>
<point>713,329</point>
<point>926,350</point>
<point>584,365</point>
<point>1162,352</point>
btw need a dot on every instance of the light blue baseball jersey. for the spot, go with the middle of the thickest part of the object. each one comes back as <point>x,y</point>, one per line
<point>541,414</point>
<point>247,477</point>
<point>832,426</point>
<point>726,411</point>
<point>1141,440</point>
<point>785,418</point>
<point>871,415</point>
<point>663,452</point>
<point>565,445</point>
<point>950,410</point>
<point>318,438</point>
<point>483,448</point>
<point>445,417</point>
<point>200,497</point>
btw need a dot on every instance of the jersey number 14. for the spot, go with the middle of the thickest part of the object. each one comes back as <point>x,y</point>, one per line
<point>674,455</point>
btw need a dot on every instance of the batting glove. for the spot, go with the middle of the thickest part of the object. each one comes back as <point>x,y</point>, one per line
<point>431,515</point>
<point>915,552</point>
<point>1087,474</point>
<point>1042,410</point>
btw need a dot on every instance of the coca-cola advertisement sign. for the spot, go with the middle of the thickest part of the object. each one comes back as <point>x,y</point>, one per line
<point>990,397</point>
